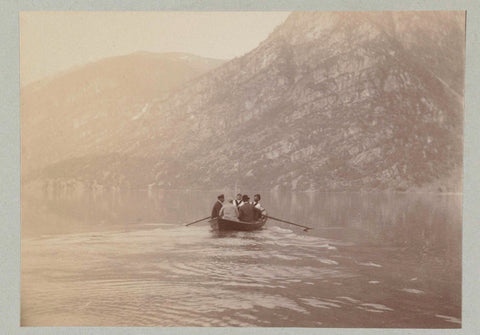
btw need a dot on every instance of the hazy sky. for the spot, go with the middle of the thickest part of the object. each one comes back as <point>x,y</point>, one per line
<point>55,41</point>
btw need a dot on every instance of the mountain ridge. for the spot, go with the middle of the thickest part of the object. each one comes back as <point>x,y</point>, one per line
<point>101,96</point>
<point>333,101</point>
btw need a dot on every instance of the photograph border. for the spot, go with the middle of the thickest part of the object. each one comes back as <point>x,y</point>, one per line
<point>10,153</point>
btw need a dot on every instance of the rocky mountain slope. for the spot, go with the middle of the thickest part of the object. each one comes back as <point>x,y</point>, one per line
<point>85,110</point>
<point>329,101</point>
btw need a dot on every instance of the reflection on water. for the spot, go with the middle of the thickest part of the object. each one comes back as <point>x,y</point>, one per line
<point>126,259</point>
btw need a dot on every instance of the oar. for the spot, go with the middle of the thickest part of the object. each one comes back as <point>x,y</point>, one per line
<point>295,224</point>
<point>188,224</point>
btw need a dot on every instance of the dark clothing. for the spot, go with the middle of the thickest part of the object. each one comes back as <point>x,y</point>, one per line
<point>237,203</point>
<point>259,210</point>
<point>246,212</point>
<point>257,214</point>
<point>216,209</point>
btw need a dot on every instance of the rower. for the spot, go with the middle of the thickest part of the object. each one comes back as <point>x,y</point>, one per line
<point>217,206</point>
<point>258,206</point>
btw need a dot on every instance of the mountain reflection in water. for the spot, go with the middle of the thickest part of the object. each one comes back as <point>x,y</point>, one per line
<point>126,259</point>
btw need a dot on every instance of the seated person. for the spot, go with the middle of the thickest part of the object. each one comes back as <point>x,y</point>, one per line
<point>238,201</point>
<point>217,206</point>
<point>246,211</point>
<point>259,210</point>
<point>229,211</point>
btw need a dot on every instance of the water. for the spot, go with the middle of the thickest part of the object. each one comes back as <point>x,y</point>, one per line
<point>126,259</point>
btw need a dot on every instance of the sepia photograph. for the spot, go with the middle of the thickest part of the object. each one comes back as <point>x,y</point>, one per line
<point>242,168</point>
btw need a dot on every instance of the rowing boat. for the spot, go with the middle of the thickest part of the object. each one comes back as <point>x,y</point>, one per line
<point>226,224</point>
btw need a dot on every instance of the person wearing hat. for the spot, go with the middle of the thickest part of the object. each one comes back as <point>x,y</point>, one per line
<point>246,212</point>
<point>229,211</point>
<point>217,206</point>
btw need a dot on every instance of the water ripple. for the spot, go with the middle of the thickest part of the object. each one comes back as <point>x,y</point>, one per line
<point>168,275</point>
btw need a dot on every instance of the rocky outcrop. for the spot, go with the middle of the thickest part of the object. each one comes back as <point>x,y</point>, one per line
<point>329,101</point>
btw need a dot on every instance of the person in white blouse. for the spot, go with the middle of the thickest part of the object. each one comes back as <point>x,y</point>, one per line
<point>229,211</point>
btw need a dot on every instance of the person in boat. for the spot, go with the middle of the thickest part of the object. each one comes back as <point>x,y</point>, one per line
<point>246,212</point>
<point>256,204</point>
<point>229,211</point>
<point>238,201</point>
<point>217,206</point>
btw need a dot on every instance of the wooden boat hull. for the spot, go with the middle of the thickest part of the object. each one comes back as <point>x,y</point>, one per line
<point>231,225</point>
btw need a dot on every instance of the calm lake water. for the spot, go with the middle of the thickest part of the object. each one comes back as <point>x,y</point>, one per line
<point>127,259</point>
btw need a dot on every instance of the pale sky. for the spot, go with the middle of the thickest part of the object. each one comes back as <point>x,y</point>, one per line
<point>54,41</point>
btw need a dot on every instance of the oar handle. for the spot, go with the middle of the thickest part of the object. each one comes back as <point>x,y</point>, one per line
<point>292,223</point>
<point>188,224</point>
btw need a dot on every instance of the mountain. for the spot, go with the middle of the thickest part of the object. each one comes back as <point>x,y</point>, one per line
<point>329,101</point>
<point>79,111</point>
